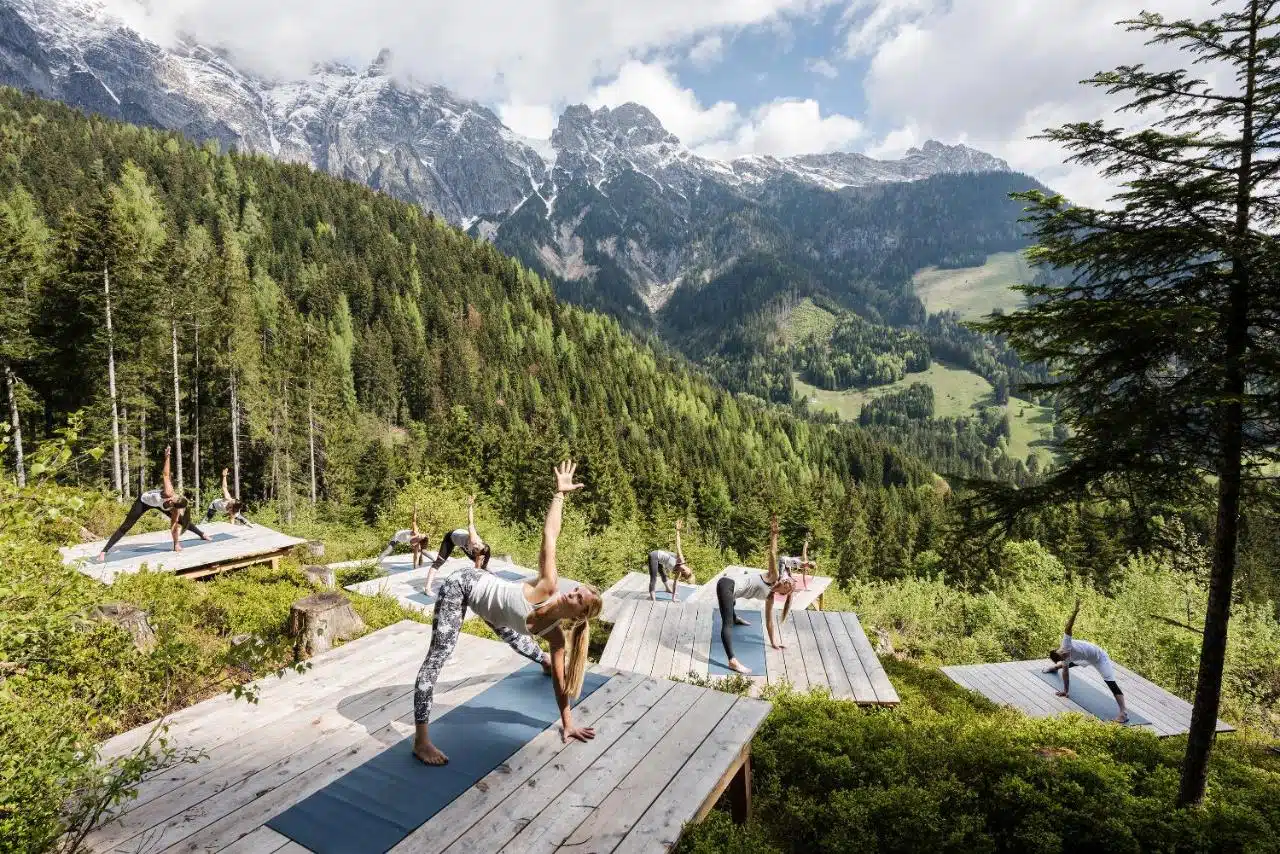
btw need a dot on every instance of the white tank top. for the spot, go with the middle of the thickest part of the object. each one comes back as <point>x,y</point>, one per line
<point>404,536</point>
<point>462,540</point>
<point>664,559</point>
<point>789,565</point>
<point>750,586</point>
<point>502,603</point>
<point>153,498</point>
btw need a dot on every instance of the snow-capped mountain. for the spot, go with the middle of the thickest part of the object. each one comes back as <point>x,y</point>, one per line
<point>614,202</point>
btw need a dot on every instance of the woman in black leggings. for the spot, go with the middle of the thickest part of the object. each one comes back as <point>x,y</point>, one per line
<point>754,585</point>
<point>467,540</point>
<point>661,562</point>
<point>167,501</point>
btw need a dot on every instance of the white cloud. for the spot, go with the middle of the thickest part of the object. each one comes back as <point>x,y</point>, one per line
<point>980,72</point>
<point>678,108</point>
<point>707,51</point>
<point>535,121</point>
<point>787,127</point>
<point>521,51</point>
<point>822,67</point>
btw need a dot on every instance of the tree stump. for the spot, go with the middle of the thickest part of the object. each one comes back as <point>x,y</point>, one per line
<point>315,548</point>
<point>318,620</point>
<point>130,618</point>
<point>320,576</point>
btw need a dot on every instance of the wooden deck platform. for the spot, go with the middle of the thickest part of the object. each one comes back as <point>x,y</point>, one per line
<point>809,597</point>
<point>628,790</point>
<point>821,648</point>
<point>408,585</point>
<point>232,547</point>
<point>1017,684</point>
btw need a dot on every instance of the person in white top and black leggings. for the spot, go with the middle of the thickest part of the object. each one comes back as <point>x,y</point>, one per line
<point>165,499</point>
<point>1077,653</point>
<point>465,539</point>
<point>661,562</point>
<point>413,539</point>
<point>753,585</point>
<point>518,611</point>
<point>232,507</point>
<point>789,565</point>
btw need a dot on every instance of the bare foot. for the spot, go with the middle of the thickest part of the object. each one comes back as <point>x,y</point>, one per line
<point>738,666</point>
<point>177,547</point>
<point>102,557</point>
<point>206,538</point>
<point>738,621</point>
<point>430,754</point>
<point>1121,719</point>
<point>1062,694</point>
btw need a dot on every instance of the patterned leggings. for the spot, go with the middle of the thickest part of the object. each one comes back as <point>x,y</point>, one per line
<point>451,610</point>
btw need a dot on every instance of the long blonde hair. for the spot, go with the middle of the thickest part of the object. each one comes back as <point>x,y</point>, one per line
<point>579,632</point>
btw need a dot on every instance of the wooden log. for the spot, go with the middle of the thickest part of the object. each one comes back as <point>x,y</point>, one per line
<point>315,548</point>
<point>130,618</point>
<point>321,576</point>
<point>318,620</point>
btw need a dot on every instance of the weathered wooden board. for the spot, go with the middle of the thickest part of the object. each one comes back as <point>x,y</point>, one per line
<point>827,649</point>
<point>663,753</point>
<point>232,547</point>
<point>1017,684</point>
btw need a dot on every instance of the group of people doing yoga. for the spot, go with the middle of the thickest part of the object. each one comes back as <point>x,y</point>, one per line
<point>177,507</point>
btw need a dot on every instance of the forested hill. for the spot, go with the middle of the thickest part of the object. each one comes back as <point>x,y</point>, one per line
<point>341,315</point>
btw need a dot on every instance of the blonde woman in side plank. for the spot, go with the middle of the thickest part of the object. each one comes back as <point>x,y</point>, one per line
<point>519,611</point>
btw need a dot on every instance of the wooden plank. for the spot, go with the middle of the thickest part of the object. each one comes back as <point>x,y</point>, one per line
<point>809,650</point>
<point>183,723</point>
<point>618,635</point>
<point>505,791</point>
<point>648,650</point>
<point>793,657</point>
<point>264,840</point>
<point>568,789</point>
<point>859,683</point>
<point>230,812</point>
<point>667,642</point>
<point>683,653</point>
<point>699,663</point>
<point>635,636</point>
<point>884,689</point>
<point>831,662</point>
<point>615,816</point>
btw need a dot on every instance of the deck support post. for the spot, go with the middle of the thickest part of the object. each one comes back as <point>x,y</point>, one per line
<point>740,791</point>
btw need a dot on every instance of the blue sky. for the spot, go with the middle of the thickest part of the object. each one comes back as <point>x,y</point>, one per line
<point>730,77</point>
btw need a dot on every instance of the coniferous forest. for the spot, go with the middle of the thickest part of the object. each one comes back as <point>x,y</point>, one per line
<point>351,359</point>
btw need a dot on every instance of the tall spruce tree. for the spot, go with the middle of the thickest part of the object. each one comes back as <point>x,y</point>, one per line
<point>1164,335</point>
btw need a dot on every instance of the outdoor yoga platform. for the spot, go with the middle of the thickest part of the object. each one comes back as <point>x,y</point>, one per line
<point>325,757</point>
<point>408,585</point>
<point>821,648</point>
<point>231,547</point>
<point>1024,686</point>
<point>634,587</point>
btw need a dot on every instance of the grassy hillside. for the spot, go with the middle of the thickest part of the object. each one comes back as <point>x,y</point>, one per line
<point>973,291</point>
<point>957,394</point>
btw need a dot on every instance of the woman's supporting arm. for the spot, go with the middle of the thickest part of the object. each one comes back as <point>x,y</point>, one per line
<point>558,679</point>
<point>768,621</point>
<point>786,607</point>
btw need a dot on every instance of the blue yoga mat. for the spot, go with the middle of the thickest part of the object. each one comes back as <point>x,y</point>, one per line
<point>188,542</point>
<point>685,590</point>
<point>1098,703</point>
<point>748,645</point>
<point>374,806</point>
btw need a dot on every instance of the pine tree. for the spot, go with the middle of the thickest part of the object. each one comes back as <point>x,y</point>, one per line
<point>24,244</point>
<point>1163,331</point>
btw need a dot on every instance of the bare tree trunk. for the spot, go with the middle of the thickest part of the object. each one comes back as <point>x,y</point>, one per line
<point>195,403</point>
<point>288,460</point>
<point>142,454</point>
<point>235,434</point>
<point>311,440</point>
<point>16,422</point>
<point>177,406</point>
<point>124,450</point>
<point>111,387</point>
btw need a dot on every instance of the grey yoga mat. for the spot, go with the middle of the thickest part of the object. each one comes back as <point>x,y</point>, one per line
<point>374,806</point>
<point>1098,703</point>
<point>188,541</point>
<point>748,645</point>
<point>685,591</point>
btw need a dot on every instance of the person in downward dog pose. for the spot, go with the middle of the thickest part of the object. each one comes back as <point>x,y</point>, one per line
<point>518,611</point>
<point>467,540</point>
<point>791,565</point>
<point>165,499</point>
<point>753,585</point>
<point>1077,653</point>
<point>234,508</point>
<point>408,537</point>
<point>662,562</point>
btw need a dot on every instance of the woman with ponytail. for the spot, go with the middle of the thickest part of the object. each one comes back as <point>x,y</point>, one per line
<point>518,612</point>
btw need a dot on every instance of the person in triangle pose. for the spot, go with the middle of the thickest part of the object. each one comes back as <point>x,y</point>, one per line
<point>232,507</point>
<point>467,540</point>
<point>165,499</point>
<point>661,562</point>
<point>1077,653</point>
<point>753,585</point>
<point>410,537</point>
<point>519,612</point>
